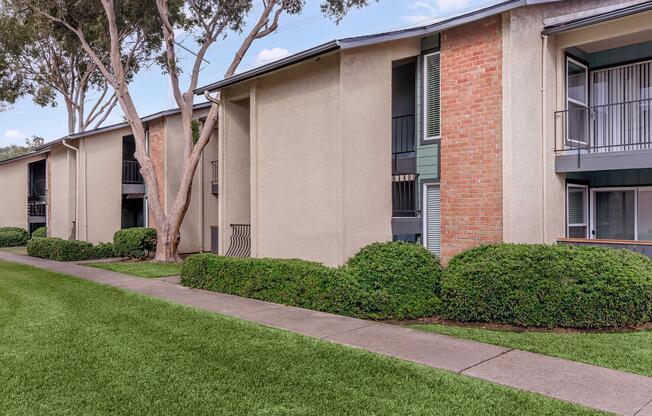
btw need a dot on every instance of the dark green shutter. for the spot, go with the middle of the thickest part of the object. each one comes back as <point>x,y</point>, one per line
<point>432,110</point>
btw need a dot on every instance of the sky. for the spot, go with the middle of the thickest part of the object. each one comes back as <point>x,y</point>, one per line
<point>150,88</point>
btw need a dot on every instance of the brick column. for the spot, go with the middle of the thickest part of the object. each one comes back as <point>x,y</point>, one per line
<point>471,145</point>
<point>157,155</point>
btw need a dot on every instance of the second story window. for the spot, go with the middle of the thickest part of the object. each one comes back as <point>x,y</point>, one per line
<point>431,96</point>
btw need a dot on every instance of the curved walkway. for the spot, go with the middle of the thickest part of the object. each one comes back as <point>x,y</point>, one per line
<point>600,388</point>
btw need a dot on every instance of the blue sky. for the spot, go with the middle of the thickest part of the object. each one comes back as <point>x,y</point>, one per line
<point>150,88</point>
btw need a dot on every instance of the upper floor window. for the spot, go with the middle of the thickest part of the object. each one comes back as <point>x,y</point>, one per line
<point>432,118</point>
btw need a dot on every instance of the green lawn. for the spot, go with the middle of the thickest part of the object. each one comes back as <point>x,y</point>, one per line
<point>72,347</point>
<point>15,250</point>
<point>141,268</point>
<point>627,351</point>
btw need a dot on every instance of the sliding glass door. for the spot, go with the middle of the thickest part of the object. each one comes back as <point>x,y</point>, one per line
<point>621,213</point>
<point>615,214</point>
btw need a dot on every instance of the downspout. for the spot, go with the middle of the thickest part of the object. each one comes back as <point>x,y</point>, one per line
<point>201,203</point>
<point>74,149</point>
<point>544,159</point>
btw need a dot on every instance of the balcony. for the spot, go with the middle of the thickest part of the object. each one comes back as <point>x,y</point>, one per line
<point>132,180</point>
<point>605,137</point>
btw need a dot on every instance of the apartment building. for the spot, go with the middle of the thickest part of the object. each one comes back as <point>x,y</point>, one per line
<point>88,185</point>
<point>519,121</point>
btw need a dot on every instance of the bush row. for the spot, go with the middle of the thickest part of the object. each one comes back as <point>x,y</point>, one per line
<point>13,237</point>
<point>40,232</point>
<point>58,249</point>
<point>132,242</point>
<point>518,284</point>
<point>548,286</point>
<point>384,281</point>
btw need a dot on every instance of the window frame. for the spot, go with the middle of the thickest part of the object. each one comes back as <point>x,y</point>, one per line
<point>587,210</point>
<point>425,138</point>
<point>636,189</point>
<point>587,91</point>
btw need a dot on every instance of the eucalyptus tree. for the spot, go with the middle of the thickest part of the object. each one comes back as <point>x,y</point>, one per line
<point>42,59</point>
<point>130,25</point>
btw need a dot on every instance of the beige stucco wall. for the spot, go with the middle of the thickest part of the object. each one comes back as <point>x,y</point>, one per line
<point>320,155</point>
<point>101,185</point>
<point>365,108</point>
<point>235,166</point>
<point>193,238</point>
<point>533,199</point>
<point>13,192</point>
<point>62,193</point>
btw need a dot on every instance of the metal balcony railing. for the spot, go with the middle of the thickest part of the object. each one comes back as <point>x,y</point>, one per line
<point>240,241</point>
<point>605,128</point>
<point>404,170</point>
<point>36,209</point>
<point>131,172</point>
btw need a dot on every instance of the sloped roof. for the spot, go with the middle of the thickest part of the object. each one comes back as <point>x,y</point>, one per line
<point>468,16</point>
<point>44,148</point>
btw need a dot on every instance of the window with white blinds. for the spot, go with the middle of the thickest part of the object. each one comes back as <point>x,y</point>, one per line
<point>577,215</point>
<point>577,79</point>
<point>432,119</point>
<point>432,218</point>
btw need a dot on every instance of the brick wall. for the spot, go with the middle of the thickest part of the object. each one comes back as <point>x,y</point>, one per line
<point>471,144</point>
<point>157,154</point>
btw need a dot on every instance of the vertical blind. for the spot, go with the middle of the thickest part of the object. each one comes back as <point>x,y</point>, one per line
<point>433,214</point>
<point>621,97</point>
<point>432,87</point>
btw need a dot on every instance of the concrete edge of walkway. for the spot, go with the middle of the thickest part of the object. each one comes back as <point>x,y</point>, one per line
<point>591,386</point>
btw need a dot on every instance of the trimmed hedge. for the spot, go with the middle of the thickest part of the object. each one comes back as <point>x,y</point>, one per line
<point>136,242</point>
<point>13,237</point>
<point>290,282</point>
<point>40,232</point>
<point>401,280</point>
<point>67,250</point>
<point>548,286</point>
<point>383,281</point>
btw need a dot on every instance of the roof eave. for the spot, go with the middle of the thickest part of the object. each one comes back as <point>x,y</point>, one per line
<point>599,18</point>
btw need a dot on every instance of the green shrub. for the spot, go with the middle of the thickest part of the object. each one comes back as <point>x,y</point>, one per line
<point>13,237</point>
<point>401,280</point>
<point>134,242</point>
<point>548,286</point>
<point>40,232</point>
<point>290,282</point>
<point>105,251</point>
<point>383,281</point>
<point>67,250</point>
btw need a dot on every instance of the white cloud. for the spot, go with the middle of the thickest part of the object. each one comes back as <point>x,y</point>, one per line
<point>429,9</point>
<point>15,136</point>
<point>268,55</point>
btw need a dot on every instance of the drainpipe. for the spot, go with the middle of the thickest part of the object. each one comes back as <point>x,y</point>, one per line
<point>74,149</point>
<point>201,202</point>
<point>544,158</point>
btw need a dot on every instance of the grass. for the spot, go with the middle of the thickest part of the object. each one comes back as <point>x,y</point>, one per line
<point>72,347</point>
<point>15,250</point>
<point>626,351</point>
<point>141,268</point>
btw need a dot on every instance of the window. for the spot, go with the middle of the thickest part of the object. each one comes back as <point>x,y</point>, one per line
<point>431,218</point>
<point>577,98</point>
<point>431,96</point>
<point>622,213</point>
<point>577,216</point>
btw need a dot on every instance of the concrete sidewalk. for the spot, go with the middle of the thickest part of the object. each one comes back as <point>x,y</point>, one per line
<point>591,386</point>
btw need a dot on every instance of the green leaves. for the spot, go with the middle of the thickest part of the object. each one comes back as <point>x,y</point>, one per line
<point>549,286</point>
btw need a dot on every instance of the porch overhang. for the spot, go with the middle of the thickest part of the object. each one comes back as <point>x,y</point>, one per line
<point>585,162</point>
